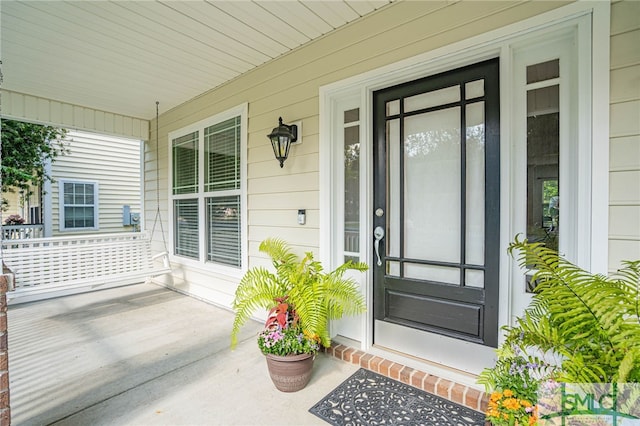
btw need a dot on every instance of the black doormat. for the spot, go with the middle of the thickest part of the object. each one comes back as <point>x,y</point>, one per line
<point>367,398</point>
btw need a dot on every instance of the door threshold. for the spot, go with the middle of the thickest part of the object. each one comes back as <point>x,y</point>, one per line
<point>377,361</point>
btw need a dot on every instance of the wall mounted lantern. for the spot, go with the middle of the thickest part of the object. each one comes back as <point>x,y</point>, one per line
<point>281,138</point>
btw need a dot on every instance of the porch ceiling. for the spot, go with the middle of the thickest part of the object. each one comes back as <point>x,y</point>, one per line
<point>122,56</point>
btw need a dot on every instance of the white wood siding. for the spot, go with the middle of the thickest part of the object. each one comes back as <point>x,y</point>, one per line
<point>112,162</point>
<point>288,87</point>
<point>624,197</point>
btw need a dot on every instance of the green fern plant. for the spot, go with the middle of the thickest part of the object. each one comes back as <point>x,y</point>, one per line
<point>317,296</point>
<point>580,327</point>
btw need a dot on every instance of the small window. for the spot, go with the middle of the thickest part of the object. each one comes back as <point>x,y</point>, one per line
<point>78,205</point>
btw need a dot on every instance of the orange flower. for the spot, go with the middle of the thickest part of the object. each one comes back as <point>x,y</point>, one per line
<point>311,336</point>
<point>507,393</point>
<point>496,396</point>
<point>493,413</point>
<point>511,404</point>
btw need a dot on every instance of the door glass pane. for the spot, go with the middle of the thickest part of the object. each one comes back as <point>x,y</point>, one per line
<point>474,278</point>
<point>354,259</point>
<point>543,71</point>
<point>474,89</point>
<point>393,108</point>
<point>352,115</point>
<point>393,194</point>
<point>352,189</point>
<point>432,186</point>
<point>433,98</point>
<point>432,273</point>
<point>475,184</point>
<point>393,269</point>
<point>543,166</point>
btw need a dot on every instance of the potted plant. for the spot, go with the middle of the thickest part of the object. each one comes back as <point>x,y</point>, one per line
<point>301,299</point>
<point>14,219</point>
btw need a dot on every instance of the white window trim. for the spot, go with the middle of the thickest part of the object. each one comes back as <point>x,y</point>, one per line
<point>202,264</point>
<point>96,205</point>
<point>490,44</point>
<point>348,327</point>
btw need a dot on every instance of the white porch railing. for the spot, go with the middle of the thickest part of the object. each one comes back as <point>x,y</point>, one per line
<point>21,232</point>
<point>351,241</point>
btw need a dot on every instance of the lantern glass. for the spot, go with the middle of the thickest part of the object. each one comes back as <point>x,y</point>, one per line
<point>281,138</point>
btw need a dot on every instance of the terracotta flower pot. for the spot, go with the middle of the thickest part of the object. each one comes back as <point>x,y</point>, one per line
<point>290,373</point>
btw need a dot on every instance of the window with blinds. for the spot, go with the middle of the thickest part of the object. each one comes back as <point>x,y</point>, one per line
<point>222,150</point>
<point>185,164</point>
<point>223,233</point>
<point>207,182</point>
<point>186,228</point>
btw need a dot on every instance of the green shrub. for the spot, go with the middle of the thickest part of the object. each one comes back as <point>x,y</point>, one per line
<point>579,328</point>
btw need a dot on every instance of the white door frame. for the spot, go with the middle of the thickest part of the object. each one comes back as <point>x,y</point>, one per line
<point>485,46</point>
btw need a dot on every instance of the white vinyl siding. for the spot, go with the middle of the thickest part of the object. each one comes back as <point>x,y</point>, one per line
<point>112,163</point>
<point>624,161</point>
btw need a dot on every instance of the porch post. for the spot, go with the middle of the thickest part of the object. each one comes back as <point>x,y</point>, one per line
<point>5,411</point>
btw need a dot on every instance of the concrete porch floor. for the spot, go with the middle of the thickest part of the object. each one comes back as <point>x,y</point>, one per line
<point>145,355</point>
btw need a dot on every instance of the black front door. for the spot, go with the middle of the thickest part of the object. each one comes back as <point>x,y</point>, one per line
<point>437,205</point>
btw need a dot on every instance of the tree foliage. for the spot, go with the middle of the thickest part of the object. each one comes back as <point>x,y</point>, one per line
<point>26,148</point>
